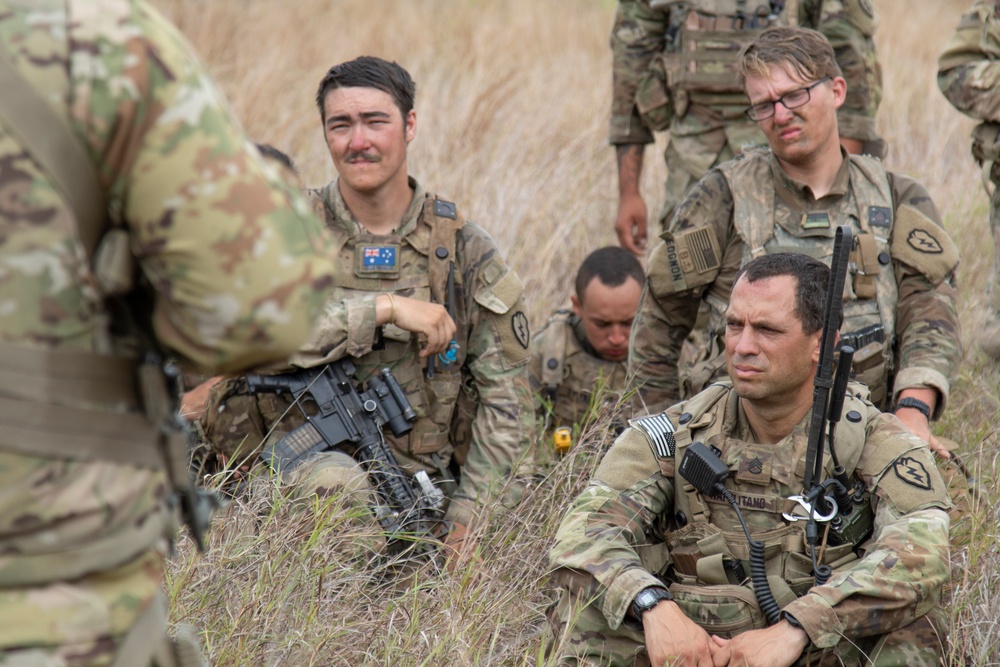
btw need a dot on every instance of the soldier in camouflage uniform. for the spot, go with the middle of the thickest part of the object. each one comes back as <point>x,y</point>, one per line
<point>900,312</point>
<point>653,572</point>
<point>400,247</point>
<point>969,76</point>
<point>584,350</point>
<point>674,68</point>
<point>134,210</point>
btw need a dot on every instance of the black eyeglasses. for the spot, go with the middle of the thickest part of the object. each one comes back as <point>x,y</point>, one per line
<point>790,100</point>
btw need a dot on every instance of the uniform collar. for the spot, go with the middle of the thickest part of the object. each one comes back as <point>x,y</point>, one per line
<point>343,218</point>
<point>797,195</point>
<point>580,334</point>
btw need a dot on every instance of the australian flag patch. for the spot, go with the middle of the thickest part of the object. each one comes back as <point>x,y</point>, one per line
<point>660,431</point>
<point>378,258</point>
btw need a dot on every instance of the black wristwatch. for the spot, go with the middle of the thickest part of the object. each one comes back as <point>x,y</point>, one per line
<point>915,403</point>
<point>649,598</point>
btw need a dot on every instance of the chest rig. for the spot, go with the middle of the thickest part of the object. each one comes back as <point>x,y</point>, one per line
<point>418,266</point>
<point>570,374</point>
<point>766,224</point>
<point>707,544</point>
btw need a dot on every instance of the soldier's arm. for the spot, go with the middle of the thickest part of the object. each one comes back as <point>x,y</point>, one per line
<point>674,290</point>
<point>595,548</point>
<point>233,255</point>
<point>849,25</point>
<point>927,324</point>
<point>497,360</point>
<point>968,69</point>
<point>637,35</point>
<point>906,562</point>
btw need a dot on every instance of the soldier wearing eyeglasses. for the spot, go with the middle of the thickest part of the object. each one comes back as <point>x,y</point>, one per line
<point>900,310</point>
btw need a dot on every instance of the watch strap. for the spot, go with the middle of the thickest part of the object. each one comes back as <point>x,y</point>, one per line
<point>915,403</point>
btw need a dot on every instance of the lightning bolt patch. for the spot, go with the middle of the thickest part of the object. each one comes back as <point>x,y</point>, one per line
<point>922,241</point>
<point>912,472</point>
<point>519,324</point>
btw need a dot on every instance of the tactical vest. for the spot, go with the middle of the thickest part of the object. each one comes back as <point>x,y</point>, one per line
<point>570,374</point>
<point>71,404</point>
<point>704,536</point>
<point>767,225</point>
<point>425,257</point>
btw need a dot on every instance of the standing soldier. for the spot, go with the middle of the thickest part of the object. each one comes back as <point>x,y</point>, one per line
<point>583,352</point>
<point>675,68</point>
<point>969,76</point>
<point>419,290</point>
<point>137,221</point>
<point>900,312</point>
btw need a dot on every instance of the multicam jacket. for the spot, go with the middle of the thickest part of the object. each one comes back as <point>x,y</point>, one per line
<point>674,68</point>
<point>220,261</point>
<point>902,275</point>
<point>637,519</point>
<point>477,408</point>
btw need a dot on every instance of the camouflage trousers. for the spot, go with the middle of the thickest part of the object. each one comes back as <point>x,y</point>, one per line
<point>990,337</point>
<point>581,636</point>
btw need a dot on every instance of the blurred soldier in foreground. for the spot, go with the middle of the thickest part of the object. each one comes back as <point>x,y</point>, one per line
<point>675,68</point>
<point>582,352</point>
<point>969,76</point>
<point>419,290</point>
<point>653,571</point>
<point>137,221</point>
<point>900,314</point>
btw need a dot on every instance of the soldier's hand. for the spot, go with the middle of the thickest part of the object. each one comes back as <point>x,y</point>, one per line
<point>631,224</point>
<point>674,639</point>
<point>777,646</point>
<point>194,402</point>
<point>430,320</point>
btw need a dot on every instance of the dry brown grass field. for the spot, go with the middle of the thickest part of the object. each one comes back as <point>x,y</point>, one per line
<point>512,105</point>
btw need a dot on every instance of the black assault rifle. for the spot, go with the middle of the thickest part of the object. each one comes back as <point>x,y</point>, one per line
<point>408,509</point>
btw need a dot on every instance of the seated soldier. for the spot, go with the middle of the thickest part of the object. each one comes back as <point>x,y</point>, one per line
<point>653,571</point>
<point>420,291</point>
<point>581,354</point>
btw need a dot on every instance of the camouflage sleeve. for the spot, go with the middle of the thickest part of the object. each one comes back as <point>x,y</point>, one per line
<point>637,35</point>
<point>497,360</point>
<point>232,253</point>
<point>616,513</point>
<point>849,26</point>
<point>968,69</point>
<point>669,307</point>
<point>906,561</point>
<point>535,367</point>
<point>927,324</point>
<point>344,328</point>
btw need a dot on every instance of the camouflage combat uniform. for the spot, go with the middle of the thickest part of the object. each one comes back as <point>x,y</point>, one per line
<point>900,310</point>
<point>623,534</point>
<point>476,411</point>
<point>969,76</point>
<point>228,272</point>
<point>675,68</point>
<point>565,372</point>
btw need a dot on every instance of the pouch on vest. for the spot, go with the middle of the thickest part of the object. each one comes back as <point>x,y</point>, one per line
<point>864,256</point>
<point>725,611</point>
<point>869,369</point>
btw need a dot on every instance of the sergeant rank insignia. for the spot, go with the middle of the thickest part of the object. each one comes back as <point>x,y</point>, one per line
<point>660,431</point>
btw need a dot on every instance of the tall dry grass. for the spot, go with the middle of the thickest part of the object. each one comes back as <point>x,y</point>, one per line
<point>512,106</point>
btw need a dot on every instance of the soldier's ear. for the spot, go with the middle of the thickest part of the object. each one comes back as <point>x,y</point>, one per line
<point>410,123</point>
<point>839,88</point>
<point>577,306</point>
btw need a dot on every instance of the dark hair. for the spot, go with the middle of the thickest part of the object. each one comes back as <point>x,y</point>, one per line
<point>369,72</point>
<point>272,153</point>
<point>611,265</point>
<point>812,277</point>
<point>800,51</point>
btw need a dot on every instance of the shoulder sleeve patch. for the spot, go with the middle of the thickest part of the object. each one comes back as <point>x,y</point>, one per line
<point>660,431</point>
<point>684,260</point>
<point>923,244</point>
<point>499,294</point>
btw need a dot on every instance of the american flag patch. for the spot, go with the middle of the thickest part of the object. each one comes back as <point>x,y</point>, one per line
<point>660,431</point>
<point>378,258</point>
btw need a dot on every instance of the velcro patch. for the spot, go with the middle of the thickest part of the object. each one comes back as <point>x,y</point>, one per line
<point>816,220</point>
<point>660,431</point>
<point>445,209</point>
<point>880,216</point>
<point>755,468</point>
<point>912,472</point>
<point>922,244</point>
<point>378,258</point>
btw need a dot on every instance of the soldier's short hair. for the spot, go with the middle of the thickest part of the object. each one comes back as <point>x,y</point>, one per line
<point>369,72</point>
<point>611,265</point>
<point>812,281</point>
<point>802,52</point>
